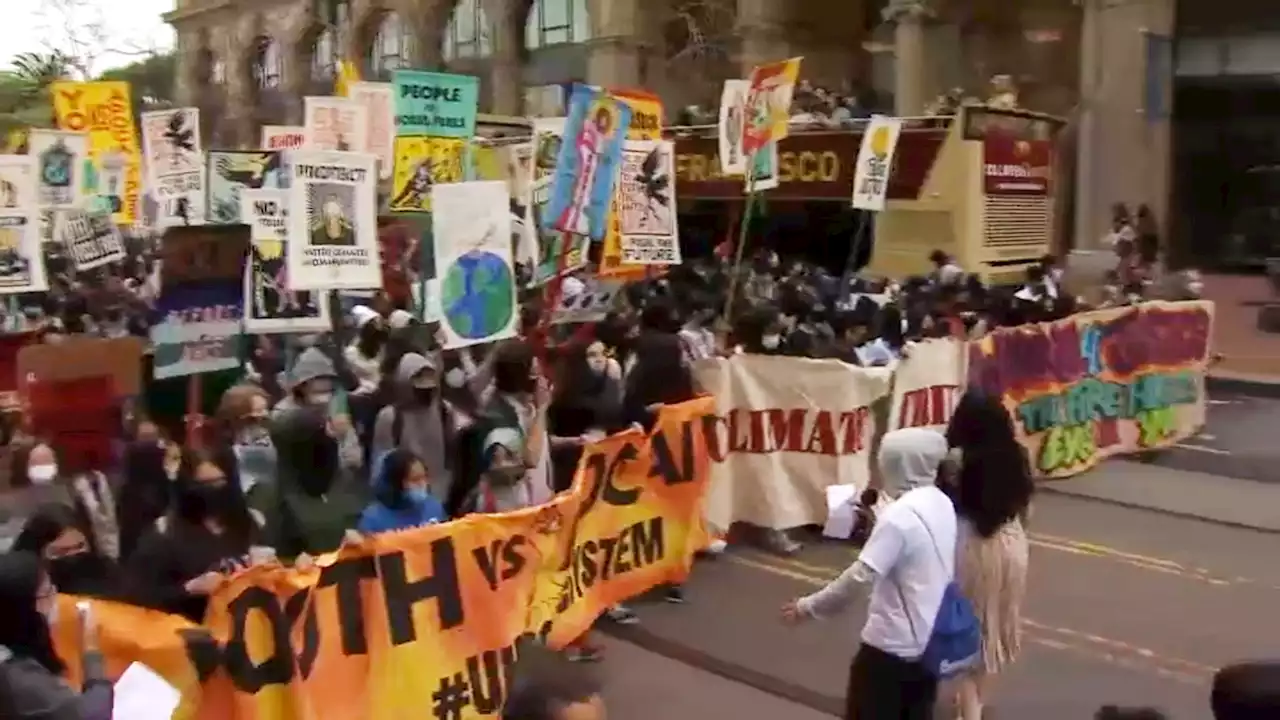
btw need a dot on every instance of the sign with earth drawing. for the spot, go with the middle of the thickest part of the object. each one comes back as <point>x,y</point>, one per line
<point>472,230</point>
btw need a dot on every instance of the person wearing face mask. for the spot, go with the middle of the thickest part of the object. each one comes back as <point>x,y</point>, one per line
<point>244,415</point>
<point>402,495</point>
<point>314,384</point>
<point>88,492</point>
<point>364,354</point>
<point>31,684</point>
<point>54,534</point>
<point>417,421</point>
<point>315,500</point>
<point>207,533</point>
<point>145,491</point>
<point>586,406</point>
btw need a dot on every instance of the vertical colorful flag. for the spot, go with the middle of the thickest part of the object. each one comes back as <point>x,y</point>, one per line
<point>769,103</point>
<point>348,75</point>
<point>104,110</point>
<point>582,193</point>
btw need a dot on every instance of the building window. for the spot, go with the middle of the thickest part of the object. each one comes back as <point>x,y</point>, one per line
<point>467,35</point>
<point>392,46</point>
<point>218,71</point>
<point>557,22</point>
<point>267,64</point>
<point>324,56</point>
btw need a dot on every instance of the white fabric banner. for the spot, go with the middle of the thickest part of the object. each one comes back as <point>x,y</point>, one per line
<point>928,383</point>
<point>787,428</point>
<point>875,163</point>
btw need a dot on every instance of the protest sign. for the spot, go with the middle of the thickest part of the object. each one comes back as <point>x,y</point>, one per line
<point>435,104</point>
<point>472,233</point>
<point>587,164</point>
<point>438,609</point>
<point>333,221</point>
<point>282,137</point>
<point>596,299</point>
<point>79,357</point>
<point>104,111</point>
<point>647,203</point>
<point>201,300</point>
<point>93,239</point>
<point>334,123</point>
<point>80,418</point>
<point>875,161</point>
<point>733,114</point>
<point>769,103</point>
<point>175,165</point>
<point>63,168</point>
<point>1099,383</point>
<point>421,163</point>
<point>646,125</point>
<point>927,383</point>
<point>808,421</point>
<point>550,244</point>
<point>231,171</point>
<point>271,305</point>
<point>21,255</point>
<point>378,101</point>
<point>11,345</point>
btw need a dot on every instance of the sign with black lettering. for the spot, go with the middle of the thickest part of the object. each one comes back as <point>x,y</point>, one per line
<point>811,166</point>
<point>435,104</point>
<point>93,239</point>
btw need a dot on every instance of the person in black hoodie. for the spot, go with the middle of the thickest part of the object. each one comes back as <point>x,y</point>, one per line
<point>207,534</point>
<point>54,534</point>
<point>587,404</point>
<point>144,495</point>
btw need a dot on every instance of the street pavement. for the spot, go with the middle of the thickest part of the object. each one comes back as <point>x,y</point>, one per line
<point>1239,440</point>
<point>1125,606</point>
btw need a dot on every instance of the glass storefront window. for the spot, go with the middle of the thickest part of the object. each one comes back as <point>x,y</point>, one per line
<point>557,22</point>
<point>467,35</point>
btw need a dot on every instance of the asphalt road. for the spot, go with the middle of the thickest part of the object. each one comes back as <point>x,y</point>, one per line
<point>1239,440</point>
<point>1125,606</point>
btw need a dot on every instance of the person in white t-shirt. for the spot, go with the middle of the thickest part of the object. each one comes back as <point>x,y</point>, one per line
<point>908,562</point>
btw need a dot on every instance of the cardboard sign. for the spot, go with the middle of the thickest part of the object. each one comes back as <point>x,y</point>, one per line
<point>79,417</point>
<point>75,358</point>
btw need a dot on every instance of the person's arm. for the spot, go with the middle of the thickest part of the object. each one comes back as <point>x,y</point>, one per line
<point>876,559</point>
<point>382,440</point>
<point>148,577</point>
<point>97,694</point>
<point>349,449</point>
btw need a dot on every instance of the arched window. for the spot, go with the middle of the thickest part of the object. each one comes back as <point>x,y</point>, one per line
<point>392,45</point>
<point>267,64</point>
<point>217,71</point>
<point>467,35</point>
<point>324,56</point>
<point>556,22</point>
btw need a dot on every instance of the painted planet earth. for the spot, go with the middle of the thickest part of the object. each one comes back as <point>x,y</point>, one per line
<point>477,295</point>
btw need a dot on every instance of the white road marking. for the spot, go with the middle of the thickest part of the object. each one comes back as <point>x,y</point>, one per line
<point>1224,402</point>
<point>1200,448</point>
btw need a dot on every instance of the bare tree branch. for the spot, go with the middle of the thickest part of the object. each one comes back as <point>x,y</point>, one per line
<point>79,30</point>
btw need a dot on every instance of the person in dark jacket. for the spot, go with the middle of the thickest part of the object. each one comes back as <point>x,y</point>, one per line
<point>403,499</point>
<point>145,493</point>
<point>31,686</point>
<point>587,404</point>
<point>207,534</point>
<point>315,500</point>
<point>55,535</point>
<point>659,377</point>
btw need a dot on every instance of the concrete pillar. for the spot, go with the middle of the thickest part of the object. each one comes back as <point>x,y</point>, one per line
<point>618,49</point>
<point>912,87</point>
<point>506,68</point>
<point>239,130</point>
<point>187,81</point>
<point>427,19</point>
<point>1123,156</point>
<point>762,30</point>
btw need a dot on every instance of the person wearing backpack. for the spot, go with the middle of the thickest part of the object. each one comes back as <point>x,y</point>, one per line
<point>919,627</point>
<point>416,420</point>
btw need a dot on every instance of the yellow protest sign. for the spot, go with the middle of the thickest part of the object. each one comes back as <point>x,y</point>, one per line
<point>421,162</point>
<point>646,124</point>
<point>104,111</point>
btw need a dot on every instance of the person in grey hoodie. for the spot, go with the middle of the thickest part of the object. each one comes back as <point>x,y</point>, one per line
<point>313,383</point>
<point>417,421</point>
<point>31,684</point>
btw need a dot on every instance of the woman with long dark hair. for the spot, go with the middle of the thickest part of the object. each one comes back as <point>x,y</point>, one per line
<point>992,492</point>
<point>56,535</point>
<point>586,404</point>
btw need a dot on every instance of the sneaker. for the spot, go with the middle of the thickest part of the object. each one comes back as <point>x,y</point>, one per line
<point>777,542</point>
<point>717,547</point>
<point>584,652</point>
<point>675,595</point>
<point>622,615</point>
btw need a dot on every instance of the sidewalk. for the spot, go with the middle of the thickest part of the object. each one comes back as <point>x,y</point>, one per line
<point>1250,357</point>
<point>1240,503</point>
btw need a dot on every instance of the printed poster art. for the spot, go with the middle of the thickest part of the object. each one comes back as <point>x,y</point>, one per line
<point>64,168</point>
<point>733,114</point>
<point>196,328</point>
<point>548,135</point>
<point>334,123</point>
<point>93,238</point>
<point>472,231</point>
<point>1099,383</point>
<point>647,203</point>
<point>231,171</point>
<point>175,165</point>
<point>270,305</point>
<point>646,124</point>
<point>875,163</point>
<point>435,104</point>
<point>420,164</point>
<point>104,111</point>
<point>282,137</point>
<point>333,221</point>
<point>587,166</point>
<point>21,255</point>
<point>378,100</point>
<point>769,103</point>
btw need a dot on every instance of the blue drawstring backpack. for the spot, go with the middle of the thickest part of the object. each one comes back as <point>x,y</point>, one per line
<point>956,642</point>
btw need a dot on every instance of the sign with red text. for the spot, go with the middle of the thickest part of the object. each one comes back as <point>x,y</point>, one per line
<point>784,430</point>
<point>927,383</point>
<point>1016,167</point>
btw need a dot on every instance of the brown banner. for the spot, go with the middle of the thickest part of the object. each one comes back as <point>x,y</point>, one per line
<point>810,166</point>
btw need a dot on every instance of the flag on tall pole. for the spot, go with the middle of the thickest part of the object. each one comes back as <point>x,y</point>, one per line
<point>348,74</point>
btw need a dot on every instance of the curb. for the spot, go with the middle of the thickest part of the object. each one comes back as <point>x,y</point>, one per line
<point>1242,386</point>
<point>1048,489</point>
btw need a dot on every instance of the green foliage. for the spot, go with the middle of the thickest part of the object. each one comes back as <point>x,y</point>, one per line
<point>24,90</point>
<point>152,80</point>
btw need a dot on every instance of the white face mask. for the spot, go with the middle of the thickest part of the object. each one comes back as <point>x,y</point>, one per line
<point>320,398</point>
<point>771,342</point>
<point>42,474</point>
<point>455,378</point>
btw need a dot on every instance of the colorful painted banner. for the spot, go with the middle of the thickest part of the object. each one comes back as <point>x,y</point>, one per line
<point>103,110</point>
<point>769,103</point>
<point>435,104</point>
<point>763,165</point>
<point>429,618</point>
<point>1100,383</point>
<point>554,252</point>
<point>582,193</point>
<point>420,163</point>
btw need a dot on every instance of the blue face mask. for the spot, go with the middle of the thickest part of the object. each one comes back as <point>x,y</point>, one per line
<point>417,495</point>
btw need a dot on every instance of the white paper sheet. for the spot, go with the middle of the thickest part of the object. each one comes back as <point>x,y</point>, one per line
<point>141,694</point>
<point>842,504</point>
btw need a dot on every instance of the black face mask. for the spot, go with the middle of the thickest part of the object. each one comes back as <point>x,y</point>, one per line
<point>424,395</point>
<point>214,499</point>
<point>81,574</point>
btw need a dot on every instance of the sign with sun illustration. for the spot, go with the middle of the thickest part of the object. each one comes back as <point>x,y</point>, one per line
<point>875,163</point>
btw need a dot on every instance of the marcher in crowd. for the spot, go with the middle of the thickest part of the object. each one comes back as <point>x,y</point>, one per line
<point>908,562</point>
<point>55,535</point>
<point>515,465</point>
<point>993,498</point>
<point>31,686</point>
<point>364,354</point>
<point>314,383</point>
<point>244,414</point>
<point>417,420</point>
<point>145,491</point>
<point>402,495</point>
<point>586,403</point>
<point>546,687</point>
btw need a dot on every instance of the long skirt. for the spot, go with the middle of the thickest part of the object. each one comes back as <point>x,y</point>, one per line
<point>992,573</point>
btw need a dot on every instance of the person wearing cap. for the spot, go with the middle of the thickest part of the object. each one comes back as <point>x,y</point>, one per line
<point>364,354</point>
<point>313,383</point>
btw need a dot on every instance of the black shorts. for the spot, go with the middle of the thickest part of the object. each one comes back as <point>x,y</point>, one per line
<point>887,687</point>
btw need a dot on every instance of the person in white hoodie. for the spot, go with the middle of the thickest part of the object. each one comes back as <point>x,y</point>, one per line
<point>907,562</point>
